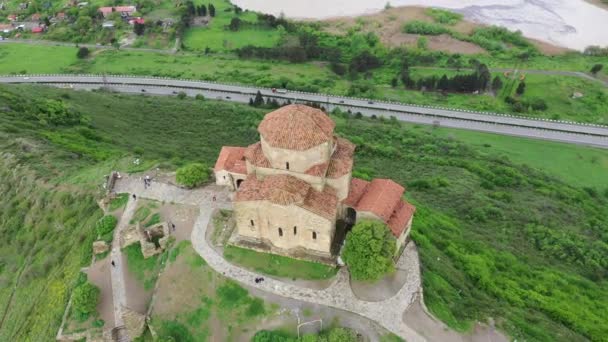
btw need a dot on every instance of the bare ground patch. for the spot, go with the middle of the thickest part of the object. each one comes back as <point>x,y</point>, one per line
<point>99,274</point>
<point>388,26</point>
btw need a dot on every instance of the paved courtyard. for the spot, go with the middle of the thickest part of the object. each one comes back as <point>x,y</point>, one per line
<point>388,313</point>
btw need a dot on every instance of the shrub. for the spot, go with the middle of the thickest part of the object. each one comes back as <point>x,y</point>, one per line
<point>369,250</point>
<point>181,95</point>
<point>84,299</point>
<point>192,175</point>
<point>422,27</point>
<point>106,225</point>
<point>443,16</point>
<point>83,52</point>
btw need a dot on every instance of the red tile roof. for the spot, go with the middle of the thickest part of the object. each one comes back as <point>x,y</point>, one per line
<point>231,159</point>
<point>357,189</point>
<point>318,170</point>
<point>120,9</point>
<point>255,156</point>
<point>400,217</point>
<point>382,197</point>
<point>37,29</point>
<point>341,161</point>
<point>287,190</point>
<point>296,127</point>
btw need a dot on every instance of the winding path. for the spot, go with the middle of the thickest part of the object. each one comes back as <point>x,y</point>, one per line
<point>387,313</point>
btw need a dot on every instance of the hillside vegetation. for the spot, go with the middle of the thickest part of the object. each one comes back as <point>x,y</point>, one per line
<point>520,243</point>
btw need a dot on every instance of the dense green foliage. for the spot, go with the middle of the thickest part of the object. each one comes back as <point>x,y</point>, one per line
<point>496,238</point>
<point>85,298</point>
<point>423,27</point>
<point>192,175</point>
<point>105,227</point>
<point>330,335</point>
<point>369,250</point>
<point>443,16</point>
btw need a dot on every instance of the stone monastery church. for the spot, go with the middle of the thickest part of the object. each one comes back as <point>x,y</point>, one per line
<point>295,184</point>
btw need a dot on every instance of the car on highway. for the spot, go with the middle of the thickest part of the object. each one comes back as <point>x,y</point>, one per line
<point>341,101</point>
<point>370,102</point>
<point>228,97</point>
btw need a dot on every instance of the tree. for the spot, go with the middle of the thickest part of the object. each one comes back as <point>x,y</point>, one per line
<point>496,84</point>
<point>235,24</point>
<point>139,29</point>
<point>444,83</point>
<point>596,68</point>
<point>259,100</point>
<point>394,82</point>
<point>192,175</point>
<point>369,250</point>
<point>85,298</point>
<point>521,88</point>
<point>211,10</point>
<point>83,52</point>
<point>202,11</point>
<point>422,43</point>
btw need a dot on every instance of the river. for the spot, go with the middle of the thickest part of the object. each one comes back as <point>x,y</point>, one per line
<point>575,24</point>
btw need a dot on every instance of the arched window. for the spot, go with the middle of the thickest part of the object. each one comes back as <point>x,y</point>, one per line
<point>295,230</point>
<point>280,231</point>
<point>314,235</point>
<point>287,165</point>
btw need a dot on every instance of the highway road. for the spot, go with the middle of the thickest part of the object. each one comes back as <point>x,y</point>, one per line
<point>569,132</point>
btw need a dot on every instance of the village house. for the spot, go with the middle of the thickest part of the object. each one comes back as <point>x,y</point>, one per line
<point>124,11</point>
<point>12,17</point>
<point>6,28</point>
<point>36,17</point>
<point>295,184</point>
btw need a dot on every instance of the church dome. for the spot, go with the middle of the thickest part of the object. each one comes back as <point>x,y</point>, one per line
<point>296,127</point>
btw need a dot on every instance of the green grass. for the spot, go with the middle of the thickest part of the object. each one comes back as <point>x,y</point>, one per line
<point>23,58</point>
<point>224,40</point>
<point>576,165</point>
<point>119,202</point>
<point>277,265</point>
<point>140,214</point>
<point>47,235</point>
<point>210,297</point>
<point>154,219</point>
<point>144,270</point>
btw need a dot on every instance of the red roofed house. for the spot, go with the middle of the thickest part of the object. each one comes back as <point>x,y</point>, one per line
<point>137,21</point>
<point>12,17</point>
<point>125,11</point>
<point>6,28</point>
<point>37,29</point>
<point>295,184</point>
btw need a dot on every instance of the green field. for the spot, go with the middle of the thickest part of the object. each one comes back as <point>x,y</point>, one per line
<point>506,227</point>
<point>555,90</point>
<point>217,37</point>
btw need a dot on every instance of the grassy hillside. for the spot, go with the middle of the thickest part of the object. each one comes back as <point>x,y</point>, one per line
<point>524,244</point>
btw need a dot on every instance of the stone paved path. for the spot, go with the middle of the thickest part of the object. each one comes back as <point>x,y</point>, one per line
<point>118,281</point>
<point>387,313</point>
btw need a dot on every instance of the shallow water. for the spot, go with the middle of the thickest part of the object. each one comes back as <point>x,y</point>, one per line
<point>574,24</point>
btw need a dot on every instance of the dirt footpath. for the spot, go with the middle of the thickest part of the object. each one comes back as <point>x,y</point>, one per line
<point>99,274</point>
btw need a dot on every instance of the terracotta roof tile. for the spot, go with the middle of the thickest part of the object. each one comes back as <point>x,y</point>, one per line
<point>381,198</point>
<point>357,189</point>
<point>296,127</point>
<point>400,217</point>
<point>341,161</point>
<point>231,159</point>
<point>318,170</point>
<point>288,190</point>
<point>255,155</point>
